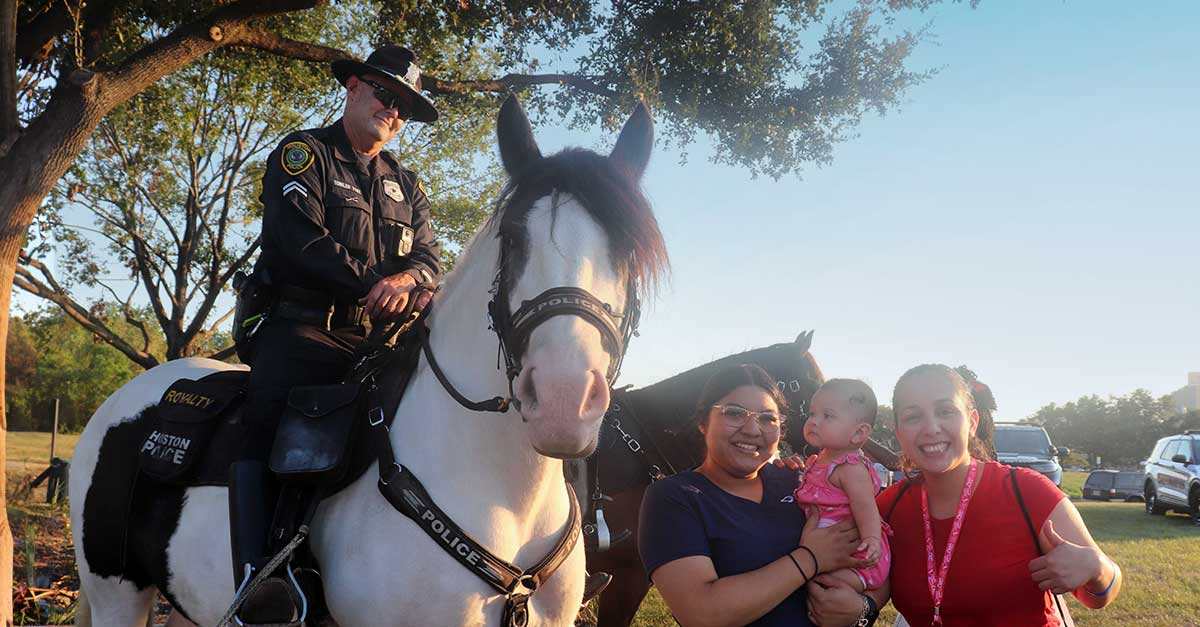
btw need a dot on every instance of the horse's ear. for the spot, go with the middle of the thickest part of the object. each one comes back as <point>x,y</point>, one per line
<point>518,149</point>
<point>804,341</point>
<point>632,151</point>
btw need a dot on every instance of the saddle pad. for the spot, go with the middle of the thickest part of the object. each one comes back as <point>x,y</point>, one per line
<point>180,428</point>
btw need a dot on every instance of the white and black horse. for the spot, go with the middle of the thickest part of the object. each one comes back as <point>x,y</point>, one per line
<point>575,219</point>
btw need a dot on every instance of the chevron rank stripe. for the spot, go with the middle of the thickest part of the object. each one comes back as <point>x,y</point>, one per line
<point>295,186</point>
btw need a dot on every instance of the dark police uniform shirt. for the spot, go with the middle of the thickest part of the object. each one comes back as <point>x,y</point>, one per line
<point>686,514</point>
<point>338,222</point>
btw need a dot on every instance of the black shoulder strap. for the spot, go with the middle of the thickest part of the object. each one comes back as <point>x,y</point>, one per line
<point>1012,474</point>
<point>903,488</point>
<point>1063,614</point>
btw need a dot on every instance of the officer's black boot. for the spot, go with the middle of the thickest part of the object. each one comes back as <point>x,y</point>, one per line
<point>594,584</point>
<point>251,505</point>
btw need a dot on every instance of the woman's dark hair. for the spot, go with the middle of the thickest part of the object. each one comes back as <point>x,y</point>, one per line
<point>975,446</point>
<point>729,379</point>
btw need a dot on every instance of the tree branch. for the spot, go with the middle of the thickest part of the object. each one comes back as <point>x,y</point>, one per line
<point>225,316</point>
<point>51,290</point>
<point>274,43</point>
<point>225,25</point>
<point>224,354</point>
<point>507,82</point>
<point>111,137</point>
<point>139,325</point>
<point>36,38</point>
<point>210,297</point>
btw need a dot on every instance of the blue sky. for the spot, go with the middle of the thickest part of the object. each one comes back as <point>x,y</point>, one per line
<point>1028,212</point>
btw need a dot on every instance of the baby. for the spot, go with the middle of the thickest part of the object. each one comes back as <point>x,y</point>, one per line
<point>840,480</point>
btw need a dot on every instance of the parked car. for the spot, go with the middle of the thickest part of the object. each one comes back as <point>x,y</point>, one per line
<point>1105,485</point>
<point>1172,479</point>
<point>1030,447</point>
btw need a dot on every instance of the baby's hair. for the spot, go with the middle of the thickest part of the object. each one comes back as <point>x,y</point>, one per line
<point>858,394</point>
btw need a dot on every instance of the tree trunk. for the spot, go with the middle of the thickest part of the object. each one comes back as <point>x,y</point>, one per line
<point>9,247</point>
<point>37,159</point>
<point>8,126</point>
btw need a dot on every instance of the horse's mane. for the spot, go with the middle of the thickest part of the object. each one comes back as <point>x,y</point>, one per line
<point>607,192</point>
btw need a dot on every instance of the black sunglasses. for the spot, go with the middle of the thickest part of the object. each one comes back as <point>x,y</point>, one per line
<point>390,99</point>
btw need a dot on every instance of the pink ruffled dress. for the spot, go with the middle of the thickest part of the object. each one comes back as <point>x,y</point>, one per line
<point>834,506</point>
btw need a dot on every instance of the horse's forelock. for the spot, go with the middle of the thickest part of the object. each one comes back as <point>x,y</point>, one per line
<point>609,195</point>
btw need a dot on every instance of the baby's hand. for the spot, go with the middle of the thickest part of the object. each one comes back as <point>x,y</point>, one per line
<point>794,462</point>
<point>874,550</point>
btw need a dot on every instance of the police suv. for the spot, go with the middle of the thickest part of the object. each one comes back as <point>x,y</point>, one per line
<point>1173,475</point>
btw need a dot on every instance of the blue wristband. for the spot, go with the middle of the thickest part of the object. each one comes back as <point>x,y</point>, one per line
<point>1110,585</point>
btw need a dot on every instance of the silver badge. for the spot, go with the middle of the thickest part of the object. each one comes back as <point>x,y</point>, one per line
<point>406,241</point>
<point>393,191</point>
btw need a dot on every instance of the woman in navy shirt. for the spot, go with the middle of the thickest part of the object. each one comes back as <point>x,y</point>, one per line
<point>723,542</point>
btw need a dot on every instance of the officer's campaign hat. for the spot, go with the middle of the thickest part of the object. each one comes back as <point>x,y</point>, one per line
<point>397,66</point>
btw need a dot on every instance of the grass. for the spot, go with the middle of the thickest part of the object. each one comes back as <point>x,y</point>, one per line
<point>1072,484</point>
<point>1159,555</point>
<point>34,446</point>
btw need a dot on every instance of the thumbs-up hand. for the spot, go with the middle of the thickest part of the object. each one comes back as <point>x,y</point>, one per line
<point>1052,536</point>
<point>1066,566</point>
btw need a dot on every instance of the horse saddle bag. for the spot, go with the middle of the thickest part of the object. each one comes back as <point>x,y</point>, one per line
<point>187,416</point>
<point>314,436</point>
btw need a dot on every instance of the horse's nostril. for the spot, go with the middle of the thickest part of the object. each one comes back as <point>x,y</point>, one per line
<point>529,390</point>
<point>597,395</point>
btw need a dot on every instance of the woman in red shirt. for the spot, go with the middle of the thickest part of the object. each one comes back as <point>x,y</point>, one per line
<point>963,553</point>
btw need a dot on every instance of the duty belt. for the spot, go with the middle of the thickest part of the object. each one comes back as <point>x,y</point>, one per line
<point>316,308</point>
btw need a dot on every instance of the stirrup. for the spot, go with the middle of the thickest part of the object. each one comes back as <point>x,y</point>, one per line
<point>287,586</point>
<point>594,584</point>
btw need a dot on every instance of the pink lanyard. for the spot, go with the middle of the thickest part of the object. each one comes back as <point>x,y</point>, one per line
<point>937,582</point>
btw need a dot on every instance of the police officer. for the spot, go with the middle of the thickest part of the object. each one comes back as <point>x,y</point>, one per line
<point>345,240</point>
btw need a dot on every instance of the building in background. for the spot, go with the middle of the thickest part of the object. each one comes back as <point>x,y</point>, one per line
<point>1188,397</point>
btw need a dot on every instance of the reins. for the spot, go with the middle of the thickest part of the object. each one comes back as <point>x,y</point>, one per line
<point>401,488</point>
<point>404,491</point>
<point>497,404</point>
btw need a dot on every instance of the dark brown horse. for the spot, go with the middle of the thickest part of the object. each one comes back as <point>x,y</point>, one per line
<point>648,434</point>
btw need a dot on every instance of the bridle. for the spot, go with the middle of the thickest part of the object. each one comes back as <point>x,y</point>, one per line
<point>406,494</point>
<point>514,328</point>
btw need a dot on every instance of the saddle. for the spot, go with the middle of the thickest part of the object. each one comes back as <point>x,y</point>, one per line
<point>195,432</point>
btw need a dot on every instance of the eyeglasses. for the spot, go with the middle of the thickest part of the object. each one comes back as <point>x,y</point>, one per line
<point>738,416</point>
<point>390,99</point>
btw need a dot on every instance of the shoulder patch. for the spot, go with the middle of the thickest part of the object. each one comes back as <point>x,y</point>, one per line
<point>296,157</point>
<point>421,186</point>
